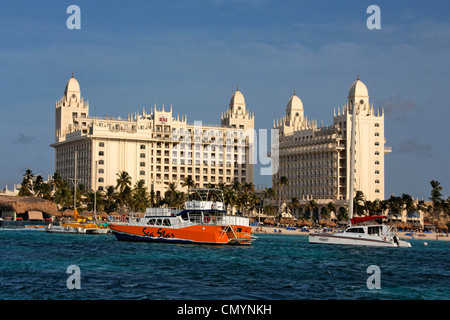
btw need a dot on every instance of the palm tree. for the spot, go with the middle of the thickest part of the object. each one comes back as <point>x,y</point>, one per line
<point>324,213</point>
<point>26,188</point>
<point>269,209</point>
<point>395,205</point>
<point>64,196</point>
<point>57,181</point>
<point>358,202</point>
<point>189,183</point>
<point>228,197</point>
<point>99,200</point>
<point>170,194</point>
<point>268,193</point>
<point>331,208</point>
<point>408,202</point>
<point>236,187</point>
<point>123,180</point>
<point>152,198</point>
<point>294,205</point>
<point>436,195</point>
<point>41,188</point>
<point>436,198</point>
<point>125,197</point>
<point>45,191</point>
<point>140,201</point>
<point>282,181</point>
<point>342,214</point>
<point>110,204</point>
<point>123,184</point>
<point>310,207</point>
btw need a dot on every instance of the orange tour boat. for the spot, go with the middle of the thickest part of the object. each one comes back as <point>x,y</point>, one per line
<point>202,221</point>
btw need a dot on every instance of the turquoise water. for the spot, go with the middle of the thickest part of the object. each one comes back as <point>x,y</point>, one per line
<point>276,267</point>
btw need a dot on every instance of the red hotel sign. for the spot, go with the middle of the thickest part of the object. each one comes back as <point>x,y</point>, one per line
<point>162,119</point>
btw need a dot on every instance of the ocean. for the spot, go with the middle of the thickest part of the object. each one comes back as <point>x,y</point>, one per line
<point>35,265</point>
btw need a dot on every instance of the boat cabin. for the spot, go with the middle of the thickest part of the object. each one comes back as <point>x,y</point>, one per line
<point>376,230</point>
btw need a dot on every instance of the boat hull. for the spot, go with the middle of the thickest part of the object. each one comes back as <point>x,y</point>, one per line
<point>325,238</point>
<point>199,234</point>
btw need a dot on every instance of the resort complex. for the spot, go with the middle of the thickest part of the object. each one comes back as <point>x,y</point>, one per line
<point>153,158</point>
<point>156,147</point>
<point>316,160</point>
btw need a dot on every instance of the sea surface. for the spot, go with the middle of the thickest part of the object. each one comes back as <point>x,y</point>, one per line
<point>34,266</point>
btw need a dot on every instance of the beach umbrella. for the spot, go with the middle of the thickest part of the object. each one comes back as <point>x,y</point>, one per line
<point>269,221</point>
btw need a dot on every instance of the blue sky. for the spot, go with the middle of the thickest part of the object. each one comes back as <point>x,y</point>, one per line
<point>192,54</point>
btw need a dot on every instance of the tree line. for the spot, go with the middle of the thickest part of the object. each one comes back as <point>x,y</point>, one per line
<point>241,196</point>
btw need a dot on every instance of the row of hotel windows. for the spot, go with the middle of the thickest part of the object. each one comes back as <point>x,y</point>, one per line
<point>319,192</point>
<point>206,179</point>
<point>182,170</point>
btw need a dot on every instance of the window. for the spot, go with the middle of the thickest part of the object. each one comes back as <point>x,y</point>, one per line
<point>377,143</point>
<point>142,146</point>
<point>100,180</point>
<point>377,190</point>
<point>377,172</point>
<point>142,173</point>
<point>377,134</point>
<point>377,162</point>
<point>142,164</point>
<point>101,144</point>
<point>101,153</point>
<point>101,161</point>
<point>355,230</point>
<point>142,155</point>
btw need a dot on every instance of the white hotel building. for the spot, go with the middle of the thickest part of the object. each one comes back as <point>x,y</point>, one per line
<point>315,159</point>
<point>158,147</point>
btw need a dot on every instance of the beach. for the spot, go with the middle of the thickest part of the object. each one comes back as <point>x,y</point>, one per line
<point>407,235</point>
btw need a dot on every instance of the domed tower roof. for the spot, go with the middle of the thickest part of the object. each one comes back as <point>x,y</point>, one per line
<point>72,86</point>
<point>358,89</point>
<point>237,98</point>
<point>294,103</point>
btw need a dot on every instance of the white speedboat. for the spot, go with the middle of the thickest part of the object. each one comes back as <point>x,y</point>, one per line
<point>64,229</point>
<point>371,235</point>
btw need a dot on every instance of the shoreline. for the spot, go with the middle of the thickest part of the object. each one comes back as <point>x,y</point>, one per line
<point>400,234</point>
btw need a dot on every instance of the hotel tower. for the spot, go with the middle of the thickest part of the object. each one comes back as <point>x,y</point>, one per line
<point>315,159</point>
<point>157,147</point>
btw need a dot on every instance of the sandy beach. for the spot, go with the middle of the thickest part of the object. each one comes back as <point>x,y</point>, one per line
<point>401,234</point>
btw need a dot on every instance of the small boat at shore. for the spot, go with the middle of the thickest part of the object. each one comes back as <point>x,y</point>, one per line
<point>370,235</point>
<point>82,224</point>
<point>202,221</point>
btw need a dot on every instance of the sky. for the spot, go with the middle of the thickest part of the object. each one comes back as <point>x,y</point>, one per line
<point>192,55</point>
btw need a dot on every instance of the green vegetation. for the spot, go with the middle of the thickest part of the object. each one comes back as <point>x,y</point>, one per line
<point>242,196</point>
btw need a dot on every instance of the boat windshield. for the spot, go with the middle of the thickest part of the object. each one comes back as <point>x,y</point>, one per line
<point>355,230</point>
<point>376,230</point>
<point>200,216</point>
